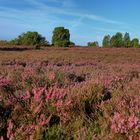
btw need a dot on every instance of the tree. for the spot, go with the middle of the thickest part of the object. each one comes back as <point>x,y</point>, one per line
<point>106,41</point>
<point>72,44</point>
<point>61,37</point>
<point>30,38</point>
<point>3,42</point>
<point>126,41</point>
<point>116,40</point>
<point>135,43</point>
<point>93,44</point>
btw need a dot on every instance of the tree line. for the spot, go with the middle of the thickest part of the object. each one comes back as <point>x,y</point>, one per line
<point>61,38</point>
<point>118,41</point>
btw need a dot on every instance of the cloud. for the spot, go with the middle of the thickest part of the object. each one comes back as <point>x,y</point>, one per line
<point>42,14</point>
<point>69,3</point>
<point>109,30</point>
<point>64,11</point>
<point>64,3</point>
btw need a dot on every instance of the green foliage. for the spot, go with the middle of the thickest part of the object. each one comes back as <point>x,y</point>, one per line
<point>62,43</point>
<point>55,133</point>
<point>95,44</point>
<point>61,37</point>
<point>135,43</point>
<point>106,41</point>
<point>116,40</point>
<point>126,41</point>
<point>60,78</point>
<point>72,44</point>
<point>30,38</point>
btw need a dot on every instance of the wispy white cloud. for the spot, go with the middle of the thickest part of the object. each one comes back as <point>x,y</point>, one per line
<point>73,12</point>
<point>108,30</point>
<point>68,3</point>
<point>64,3</point>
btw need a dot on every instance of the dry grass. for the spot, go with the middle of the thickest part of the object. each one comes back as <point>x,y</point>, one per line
<point>74,54</point>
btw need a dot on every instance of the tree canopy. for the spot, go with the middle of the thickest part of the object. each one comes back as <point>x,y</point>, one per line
<point>106,41</point>
<point>126,41</point>
<point>135,43</point>
<point>93,44</point>
<point>118,40</point>
<point>30,38</point>
<point>61,37</point>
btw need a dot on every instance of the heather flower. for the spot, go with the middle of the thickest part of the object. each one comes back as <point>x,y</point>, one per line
<point>130,137</point>
<point>48,95</point>
<point>20,129</point>
<point>42,119</point>
<point>4,81</point>
<point>48,119</point>
<point>134,123</point>
<point>11,100</point>
<point>52,76</point>
<point>38,93</point>
<point>1,138</point>
<point>30,129</point>
<point>94,137</point>
<point>38,108</point>
<point>27,95</point>
<point>9,129</point>
<point>31,137</point>
<point>123,124</point>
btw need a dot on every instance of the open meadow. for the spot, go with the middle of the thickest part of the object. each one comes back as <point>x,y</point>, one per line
<point>79,93</point>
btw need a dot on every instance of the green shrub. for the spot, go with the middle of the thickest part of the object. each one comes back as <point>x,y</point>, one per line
<point>30,38</point>
<point>93,44</point>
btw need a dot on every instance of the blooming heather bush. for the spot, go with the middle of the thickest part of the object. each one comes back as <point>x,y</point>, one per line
<point>70,99</point>
<point>130,104</point>
<point>4,81</point>
<point>125,124</point>
<point>36,109</point>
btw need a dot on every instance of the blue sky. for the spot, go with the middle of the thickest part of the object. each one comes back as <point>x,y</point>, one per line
<point>87,20</point>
